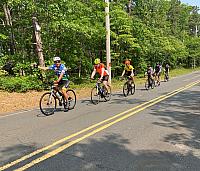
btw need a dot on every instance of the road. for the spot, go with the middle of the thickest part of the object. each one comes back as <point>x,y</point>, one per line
<point>151,130</point>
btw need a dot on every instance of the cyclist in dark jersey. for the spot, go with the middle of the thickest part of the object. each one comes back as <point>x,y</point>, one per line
<point>157,73</point>
<point>167,71</point>
<point>149,73</point>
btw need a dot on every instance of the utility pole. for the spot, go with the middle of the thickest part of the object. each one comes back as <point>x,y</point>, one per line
<point>196,34</point>
<point>108,60</point>
<point>38,42</point>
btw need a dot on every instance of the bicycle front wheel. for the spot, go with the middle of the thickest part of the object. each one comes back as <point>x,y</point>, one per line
<point>126,89</point>
<point>107,93</point>
<point>153,84</point>
<point>132,87</point>
<point>71,102</point>
<point>47,104</point>
<point>95,95</point>
<point>147,84</point>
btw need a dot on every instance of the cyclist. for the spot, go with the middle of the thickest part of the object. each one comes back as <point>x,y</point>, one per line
<point>149,73</point>
<point>100,69</point>
<point>166,70</point>
<point>157,72</point>
<point>61,72</point>
<point>128,70</point>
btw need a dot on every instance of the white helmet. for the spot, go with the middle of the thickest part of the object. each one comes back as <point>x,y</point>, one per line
<point>56,58</point>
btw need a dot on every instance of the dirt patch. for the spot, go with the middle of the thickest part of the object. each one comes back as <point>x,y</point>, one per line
<point>10,102</point>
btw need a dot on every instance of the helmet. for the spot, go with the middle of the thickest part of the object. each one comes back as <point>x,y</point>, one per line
<point>56,58</point>
<point>97,61</point>
<point>127,62</point>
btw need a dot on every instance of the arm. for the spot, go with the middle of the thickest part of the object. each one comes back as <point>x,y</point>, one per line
<point>93,73</point>
<point>123,73</point>
<point>103,69</point>
<point>43,68</point>
<point>132,73</point>
<point>60,77</point>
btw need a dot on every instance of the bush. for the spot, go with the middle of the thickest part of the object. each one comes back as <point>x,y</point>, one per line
<point>20,84</point>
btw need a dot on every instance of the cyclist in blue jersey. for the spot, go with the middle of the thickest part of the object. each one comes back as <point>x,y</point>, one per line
<point>61,71</point>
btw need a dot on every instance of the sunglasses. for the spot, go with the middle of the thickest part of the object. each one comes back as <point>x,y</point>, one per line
<point>57,62</point>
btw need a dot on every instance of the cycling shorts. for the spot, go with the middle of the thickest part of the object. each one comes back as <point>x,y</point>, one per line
<point>105,78</point>
<point>64,84</point>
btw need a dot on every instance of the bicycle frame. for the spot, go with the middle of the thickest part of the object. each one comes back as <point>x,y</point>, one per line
<point>129,80</point>
<point>99,88</point>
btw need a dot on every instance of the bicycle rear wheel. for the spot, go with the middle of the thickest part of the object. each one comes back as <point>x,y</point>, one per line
<point>107,93</point>
<point>71,102</point>
<point>126,89</point>
<point>95,96</point>
<point>47,104</point>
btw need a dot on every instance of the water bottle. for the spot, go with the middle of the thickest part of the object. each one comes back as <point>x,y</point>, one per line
<point>58,95</point>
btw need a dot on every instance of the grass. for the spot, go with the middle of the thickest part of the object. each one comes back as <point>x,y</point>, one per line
<point>139,79</point>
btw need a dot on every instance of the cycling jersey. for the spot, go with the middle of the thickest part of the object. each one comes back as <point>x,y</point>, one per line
<point>99,68</point>
<point>149,71</point>
<point>158,68</point>
<point>128,68</point>
<point>59,70</point>
<point>167,68</point>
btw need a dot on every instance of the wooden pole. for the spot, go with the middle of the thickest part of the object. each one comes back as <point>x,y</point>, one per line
<point>108,59</point>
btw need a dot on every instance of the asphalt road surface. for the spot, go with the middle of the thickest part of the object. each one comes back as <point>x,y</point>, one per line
<point>153,130</point>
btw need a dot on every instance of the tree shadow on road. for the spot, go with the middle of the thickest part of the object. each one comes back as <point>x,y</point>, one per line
<point>112,152</point>
<point>182,114</point>
<point>12,153</point>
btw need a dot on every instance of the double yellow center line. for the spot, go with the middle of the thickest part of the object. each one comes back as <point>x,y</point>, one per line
<point>90,131</point>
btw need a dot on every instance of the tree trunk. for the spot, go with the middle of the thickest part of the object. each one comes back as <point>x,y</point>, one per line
<point>9,24</point>
<point>129,7</point>
<point>38,41</point>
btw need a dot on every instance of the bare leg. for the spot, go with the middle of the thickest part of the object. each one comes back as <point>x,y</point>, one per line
<point>65,93</point>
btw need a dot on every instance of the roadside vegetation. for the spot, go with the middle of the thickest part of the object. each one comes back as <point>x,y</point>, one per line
<point>147,32</point>
<point>24,84</point>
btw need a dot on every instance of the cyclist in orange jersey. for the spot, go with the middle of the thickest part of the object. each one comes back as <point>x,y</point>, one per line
<point>100,69</point>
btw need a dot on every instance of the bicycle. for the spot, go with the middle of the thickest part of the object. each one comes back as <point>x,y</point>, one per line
<point>100,92</point>
<point>150,82</point>
<point>48,101</point>
<point>129,86</point>
<point>157,82</point>
<point>166,76</point>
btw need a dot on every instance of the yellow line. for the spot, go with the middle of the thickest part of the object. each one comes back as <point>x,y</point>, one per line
<point>60,149</point>
<point>78,133</point>
<point>71,136</point>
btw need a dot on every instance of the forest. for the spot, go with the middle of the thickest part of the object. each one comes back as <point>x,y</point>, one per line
<point>145,31</point>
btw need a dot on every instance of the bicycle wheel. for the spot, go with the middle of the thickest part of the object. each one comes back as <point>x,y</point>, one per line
<point>153,84</point>
<point>147,84</point>
<point>166,78</point>
<point>126,89</point>
<point>47,104</point>
<point>132,87</point>
<point>71,102</point>
<point>107,93</point>
<point>95,96</point>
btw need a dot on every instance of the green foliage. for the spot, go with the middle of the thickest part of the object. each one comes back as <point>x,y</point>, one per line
<point>20,84</point>
<point>142,30</point>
